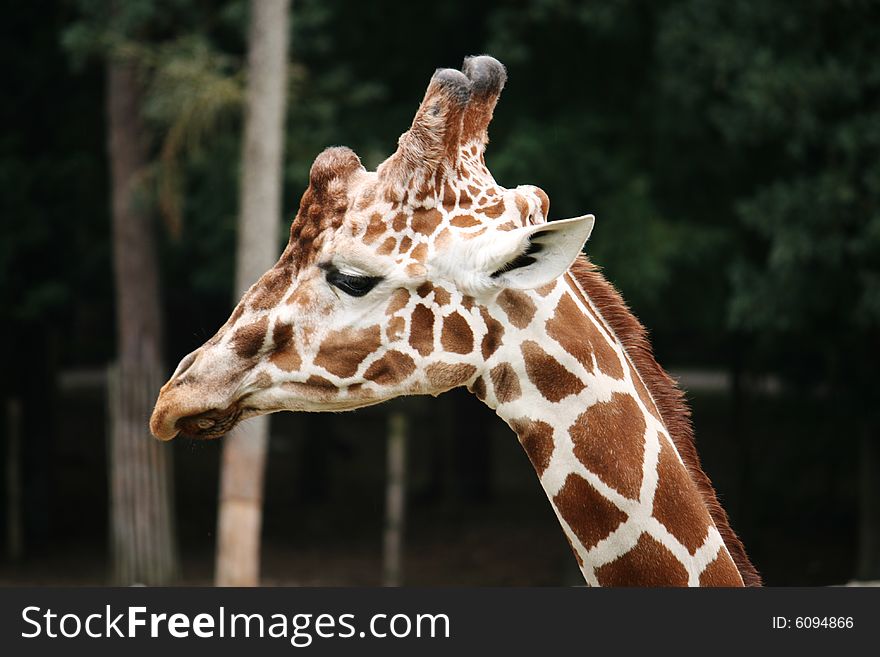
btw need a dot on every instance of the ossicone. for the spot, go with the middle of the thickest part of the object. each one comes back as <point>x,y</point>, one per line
<point>487,76</point>
<point>333,163</point>
<point>455,111</point>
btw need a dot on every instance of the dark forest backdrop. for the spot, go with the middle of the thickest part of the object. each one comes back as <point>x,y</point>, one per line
<point>730,151</point>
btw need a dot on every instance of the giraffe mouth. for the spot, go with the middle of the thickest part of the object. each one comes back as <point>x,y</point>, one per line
<point>211,424</point>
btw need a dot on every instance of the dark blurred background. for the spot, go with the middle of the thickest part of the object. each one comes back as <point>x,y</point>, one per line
<point>730,151</point>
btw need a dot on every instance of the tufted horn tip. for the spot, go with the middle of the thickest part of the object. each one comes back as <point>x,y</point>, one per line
<point>455,83</point>
<point>487,74</point>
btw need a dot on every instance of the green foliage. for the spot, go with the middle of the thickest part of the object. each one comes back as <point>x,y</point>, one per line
<point>52,179</point>
<point>574,120</point>
<point>192,89</point>
<point>793,97</point>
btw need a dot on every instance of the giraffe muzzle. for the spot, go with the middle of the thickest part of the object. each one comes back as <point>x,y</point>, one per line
<point>210,424</point>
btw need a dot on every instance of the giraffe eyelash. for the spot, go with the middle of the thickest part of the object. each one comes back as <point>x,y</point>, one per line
<point>355,286</point>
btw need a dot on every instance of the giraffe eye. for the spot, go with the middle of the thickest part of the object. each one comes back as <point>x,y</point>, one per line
<point>356,286</point>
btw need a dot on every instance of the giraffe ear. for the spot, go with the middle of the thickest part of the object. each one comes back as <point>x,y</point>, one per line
<point>532,256</point>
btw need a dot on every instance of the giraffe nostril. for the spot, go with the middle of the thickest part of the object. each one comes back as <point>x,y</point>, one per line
<point>205,423</point>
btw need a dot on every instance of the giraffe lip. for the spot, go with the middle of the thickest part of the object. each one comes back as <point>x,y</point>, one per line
<point>210,424</point>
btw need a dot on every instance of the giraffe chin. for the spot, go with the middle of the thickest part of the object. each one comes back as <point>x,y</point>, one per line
<point>214,423</point>
<point>309,397</point>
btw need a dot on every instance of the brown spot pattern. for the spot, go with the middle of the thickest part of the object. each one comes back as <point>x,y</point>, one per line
<point>505,382</point>
<point>478,387</point>
<point>536,438</point>
<point>420,253</point>
<point>518,307</point>
<point>443,239</point>
<point>721,572</point>
<point>443,376</point>
<point>590,516</point>
<point>366,199</point>
<point>320,382</point>
<point>449,195</point>
<point>494,333</point>
<point>676,502</point>
<point>421,332</point>
<point>282,333</point>
<point>463,221</point>
<point>441,296</point>
<point>649,563</point>
<point>426,222</point>
<point>545,201</point>
<point>494,211</point>
<point>392,368</point>
<point>398,300</point>
<point>669,399</point>
<point>269,290</point>
<point>580,337</point>
<point>374,228</point>
<point>395,328</point>
<point>387,246</point>
<point>549,376</point>
<point>342,351</point>
<point>320,212</point>
<point>609,439</point>
<point>576,288</point>
<point>457,336</point>
<point>286,357</point>
<point>522,205</point>
<point>399,222</point>
<point>301,296</point>
<point>248,340</point>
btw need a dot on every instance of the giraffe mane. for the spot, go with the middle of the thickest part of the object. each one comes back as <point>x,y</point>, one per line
<point>669,398</point>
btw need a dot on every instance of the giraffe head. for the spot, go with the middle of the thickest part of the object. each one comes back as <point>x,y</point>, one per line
<point>383,287</point>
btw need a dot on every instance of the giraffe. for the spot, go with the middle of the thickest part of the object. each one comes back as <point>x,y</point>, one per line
<point>426,275</point>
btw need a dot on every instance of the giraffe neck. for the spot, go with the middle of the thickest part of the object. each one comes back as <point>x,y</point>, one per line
<point>624,499</point>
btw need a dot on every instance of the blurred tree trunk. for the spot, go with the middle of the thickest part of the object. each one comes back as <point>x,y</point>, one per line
<point>244,451</point>
<point>395,500</point>
<point>142,523</point>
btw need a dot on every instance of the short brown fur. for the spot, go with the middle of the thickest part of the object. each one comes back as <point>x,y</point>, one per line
<point>668,397</point>
<point>590,516</point>
<point>631,567</point>
<point>609,439</point>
